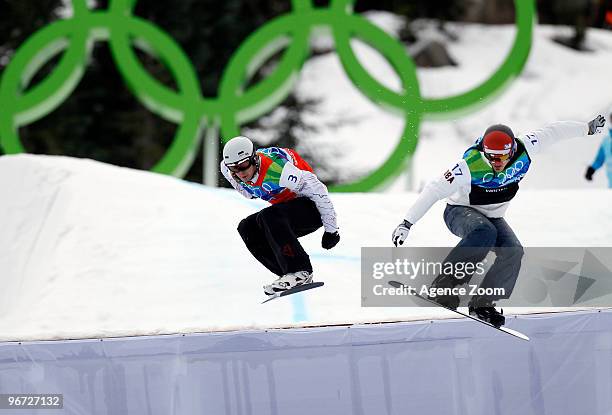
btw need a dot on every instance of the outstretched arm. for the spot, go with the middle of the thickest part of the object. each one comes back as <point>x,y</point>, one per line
<point>457,178</point>
<point>539,140</point>
<point>452,180</point>
<point>228,176</point>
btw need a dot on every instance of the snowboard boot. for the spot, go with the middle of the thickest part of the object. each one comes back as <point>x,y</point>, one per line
<point>287,281</point>
<point>446,281</point>
<point>484,309</point>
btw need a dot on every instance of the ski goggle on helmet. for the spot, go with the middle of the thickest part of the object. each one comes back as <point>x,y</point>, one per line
<point>498,143</point>
<point>239,154</point>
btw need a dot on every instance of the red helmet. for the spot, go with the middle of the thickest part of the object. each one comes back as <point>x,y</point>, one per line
<point>498,140</point>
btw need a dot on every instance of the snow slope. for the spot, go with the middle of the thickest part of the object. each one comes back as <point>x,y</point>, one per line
<point>557,84</point>
<point>92,250</point>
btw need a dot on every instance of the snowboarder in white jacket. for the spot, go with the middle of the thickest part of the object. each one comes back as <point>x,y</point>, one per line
<point>300,206</point>
<point>478,189</point>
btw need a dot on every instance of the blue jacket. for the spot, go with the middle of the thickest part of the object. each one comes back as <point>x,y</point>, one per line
<point>604,156</point>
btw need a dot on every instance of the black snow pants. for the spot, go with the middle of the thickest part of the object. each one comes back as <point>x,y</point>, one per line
<point>271,234</point>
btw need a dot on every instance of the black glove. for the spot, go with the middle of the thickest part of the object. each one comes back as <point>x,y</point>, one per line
<point>596,124</point>
<point>589,173</point>
<point>330,240</point>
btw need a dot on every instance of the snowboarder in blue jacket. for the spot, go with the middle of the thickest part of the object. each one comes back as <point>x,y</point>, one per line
<point>604,156</point>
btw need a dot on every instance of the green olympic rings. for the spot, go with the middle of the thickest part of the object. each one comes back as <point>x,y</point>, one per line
<point>234,106</point>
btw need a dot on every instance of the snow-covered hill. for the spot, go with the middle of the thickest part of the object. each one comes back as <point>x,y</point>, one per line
<point>557,83</point>
<point>88,250</point>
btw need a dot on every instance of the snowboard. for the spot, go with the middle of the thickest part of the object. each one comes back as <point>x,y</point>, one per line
<point>506,330</point>
<point>293,290</point>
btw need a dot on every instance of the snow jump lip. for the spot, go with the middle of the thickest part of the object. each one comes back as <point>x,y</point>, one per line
<point>451,317</point>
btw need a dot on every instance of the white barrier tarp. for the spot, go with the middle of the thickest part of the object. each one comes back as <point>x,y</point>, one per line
<point>440,367</point>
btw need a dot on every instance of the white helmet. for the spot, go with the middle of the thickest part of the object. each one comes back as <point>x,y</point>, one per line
<point>237,149</point>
